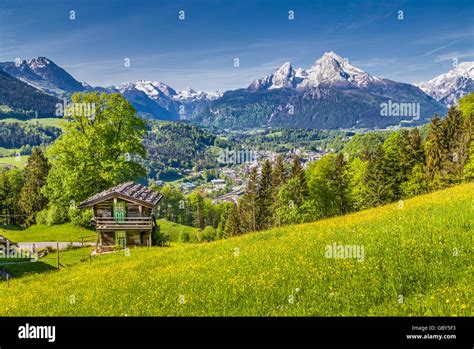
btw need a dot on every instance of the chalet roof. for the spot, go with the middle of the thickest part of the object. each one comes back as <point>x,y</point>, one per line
<point>127,191</point>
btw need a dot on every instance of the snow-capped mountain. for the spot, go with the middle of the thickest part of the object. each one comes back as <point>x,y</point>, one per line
<point>151,99</point>
<point>43,74</point>
<point>283,77</point>
<point>331,70</point>
<point>447,88</point>
<point>188,94</point>
<point>332,93</point>
<point>155,90</point>
<point>157,100</point>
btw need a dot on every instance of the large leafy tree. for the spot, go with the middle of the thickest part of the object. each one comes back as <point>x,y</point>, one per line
<point>97,150</point>
<point>32,199</point>
<point>320,179</point>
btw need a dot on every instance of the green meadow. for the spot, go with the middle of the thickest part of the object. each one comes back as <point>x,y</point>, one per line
<point>417,261</point>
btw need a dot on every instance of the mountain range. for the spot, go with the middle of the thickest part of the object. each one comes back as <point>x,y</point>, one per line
<point>330,94</point>
<point>449,87</point>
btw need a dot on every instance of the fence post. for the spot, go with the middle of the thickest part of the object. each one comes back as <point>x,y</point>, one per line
<point>57,252</point>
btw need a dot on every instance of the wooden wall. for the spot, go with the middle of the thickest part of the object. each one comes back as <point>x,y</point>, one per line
<point>133,238</point>
<point>105,209</point>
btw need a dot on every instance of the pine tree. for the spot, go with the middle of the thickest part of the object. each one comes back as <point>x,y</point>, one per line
<point>279,173</point>
<point>376,189</point>
<point>298,172</point>
<point>278,180</point>
<point>455,145</point>
<point>394,172</point>
<point>232,224</point>
<point>341,185</point>
<point>416,147</point>
<point>32,199</point>
<point>435,153</point>
<point>466,105</point>
<point>264,197</point>
<point>415,183</point>
<point>248,203</point>
<point>296,167</point>
<point>406,156</point>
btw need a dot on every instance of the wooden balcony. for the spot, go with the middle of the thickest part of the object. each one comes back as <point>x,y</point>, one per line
<point>128,223</point>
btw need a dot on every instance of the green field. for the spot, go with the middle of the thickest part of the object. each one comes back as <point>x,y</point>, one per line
<point>174,229</point>
<point>57,122</point>
<point>19,161</point>
<point>48,263</point>
<point>61,232</point>
<point>417,262</point>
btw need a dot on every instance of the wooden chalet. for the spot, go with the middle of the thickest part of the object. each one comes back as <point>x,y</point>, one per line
<point>123,215</point>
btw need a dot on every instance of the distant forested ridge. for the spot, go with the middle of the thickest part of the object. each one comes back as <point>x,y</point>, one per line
<point>20,100</point>
<point>173,145</point>
<point>16,134</point>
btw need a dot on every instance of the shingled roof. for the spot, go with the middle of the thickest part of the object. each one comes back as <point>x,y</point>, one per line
<point>129,190</point>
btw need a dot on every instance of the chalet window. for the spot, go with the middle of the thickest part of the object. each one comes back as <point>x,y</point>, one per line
<point>121,238</point>
<point>119,211</point>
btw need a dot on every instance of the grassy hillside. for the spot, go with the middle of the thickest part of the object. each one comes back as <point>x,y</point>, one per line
<point>174,229</point>
<point>19,161</point>
<point>57,122</point>
<point>417,261</point>
<point>61,232</point>
<point>47,263</point>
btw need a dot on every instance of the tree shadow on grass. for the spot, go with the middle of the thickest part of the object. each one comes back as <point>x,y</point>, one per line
<point>24,268</point>
<point>10,227</point>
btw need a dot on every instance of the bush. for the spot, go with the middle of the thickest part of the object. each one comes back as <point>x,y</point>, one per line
<point>81,218</point>
<point>184,236</point>
<point>158,238</point>
<point>208,234</point>
<point>42,217</point>
<point>219,231</point>
<point>52,215</point>
<point>57,215</point>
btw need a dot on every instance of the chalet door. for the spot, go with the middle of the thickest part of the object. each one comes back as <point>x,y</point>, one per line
<point>119,211</point>
<point>121,238</point>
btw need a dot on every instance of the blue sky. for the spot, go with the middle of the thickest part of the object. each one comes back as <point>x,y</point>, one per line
<point>200,51</point>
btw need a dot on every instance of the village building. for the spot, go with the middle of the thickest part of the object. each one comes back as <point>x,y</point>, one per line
<point>218,183</point>
<point>187,187</point>
<point>123,215</point>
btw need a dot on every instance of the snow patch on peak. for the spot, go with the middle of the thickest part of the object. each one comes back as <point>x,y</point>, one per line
<point>189,94</point>
<point>283,77</point>
<point>154,89</point>
<point>449,87</point>
<point>330,69</point>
